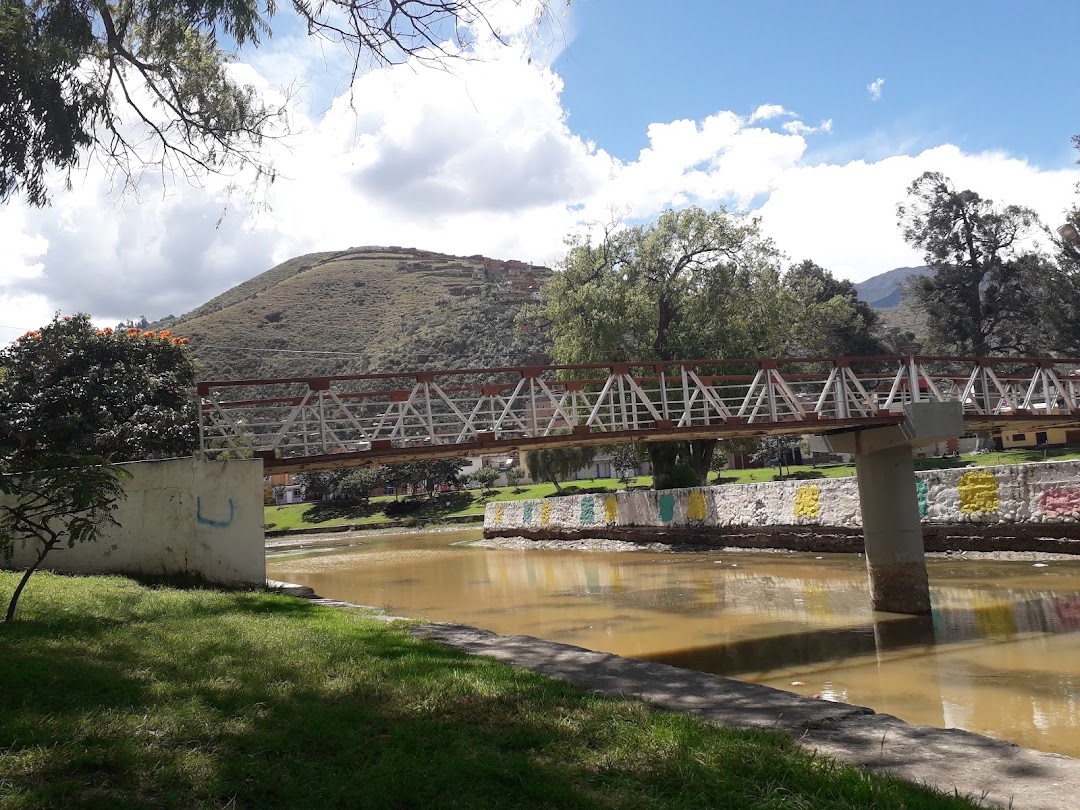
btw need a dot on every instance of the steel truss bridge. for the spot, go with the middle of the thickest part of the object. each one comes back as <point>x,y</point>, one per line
<point>312,423</point>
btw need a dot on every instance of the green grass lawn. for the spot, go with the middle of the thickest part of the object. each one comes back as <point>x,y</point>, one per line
<point>117,695</point>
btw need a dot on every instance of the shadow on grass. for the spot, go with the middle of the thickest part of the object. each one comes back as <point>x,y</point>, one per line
<point>800,475</point>
<point>323,511</point>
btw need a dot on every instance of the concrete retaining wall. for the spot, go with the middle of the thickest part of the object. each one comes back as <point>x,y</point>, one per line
<point>1046,493</point>
<point>181,516</point>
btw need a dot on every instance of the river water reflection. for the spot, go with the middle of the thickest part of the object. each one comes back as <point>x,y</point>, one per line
<point>999,656</point>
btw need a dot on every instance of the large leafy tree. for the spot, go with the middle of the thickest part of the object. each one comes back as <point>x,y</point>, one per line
<point>693,284</point>
<point>981,297</point>
<point>148,83</point>
<point>826,317</point>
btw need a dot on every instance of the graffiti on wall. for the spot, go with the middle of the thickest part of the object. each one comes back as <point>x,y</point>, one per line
<point>218,523</point>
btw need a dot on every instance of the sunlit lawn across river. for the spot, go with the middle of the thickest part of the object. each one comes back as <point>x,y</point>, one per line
<point>118,695</point>
<point>1000,655</point>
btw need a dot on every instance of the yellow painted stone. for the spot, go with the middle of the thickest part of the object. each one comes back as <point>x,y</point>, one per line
<point>695,506</point>
<point>611,509</point>
<point>545,513</point>
<point>498,513</point>
<point>978,492</point>
<point>808,501</point>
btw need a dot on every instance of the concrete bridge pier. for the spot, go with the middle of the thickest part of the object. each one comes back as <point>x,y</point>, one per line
<point>892,528</point>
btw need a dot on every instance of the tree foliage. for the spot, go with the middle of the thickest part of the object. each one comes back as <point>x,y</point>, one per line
<point>558,463</point>
<point>982,297</point>
<point>357,484</point>
<point>826,318</point>
<point>149,85</point>
<point>693,284</point>
<point>486,477</point>
<point>70,389</point>
<point>625,459</point>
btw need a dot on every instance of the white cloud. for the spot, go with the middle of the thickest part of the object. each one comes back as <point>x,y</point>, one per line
<point>479,159</point>
<point>844,216</point>
<point>768,111</point>
<point>799,128</point>
<point>874,88</point>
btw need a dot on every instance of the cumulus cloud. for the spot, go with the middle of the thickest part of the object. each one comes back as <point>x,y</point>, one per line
<point>874,88</point>
<point>479,159</point>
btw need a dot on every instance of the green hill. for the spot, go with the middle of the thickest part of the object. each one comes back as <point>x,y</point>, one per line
<point>367,309</point>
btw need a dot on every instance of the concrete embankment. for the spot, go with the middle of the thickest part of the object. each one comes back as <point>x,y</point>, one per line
<point>1028,507</point>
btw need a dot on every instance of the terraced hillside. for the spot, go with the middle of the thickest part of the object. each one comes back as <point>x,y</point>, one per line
<point>369,309</point>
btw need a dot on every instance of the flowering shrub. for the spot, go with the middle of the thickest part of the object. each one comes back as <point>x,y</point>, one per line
<point>119,394</point>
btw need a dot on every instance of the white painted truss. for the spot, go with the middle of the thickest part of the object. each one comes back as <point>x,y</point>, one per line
<point>361,419</point>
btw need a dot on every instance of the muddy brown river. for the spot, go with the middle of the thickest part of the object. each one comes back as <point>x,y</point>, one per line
<point>1000,655</point>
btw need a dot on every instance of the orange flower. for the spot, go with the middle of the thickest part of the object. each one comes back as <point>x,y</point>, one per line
<point>150,334</point>
<point>164,333</point>
<point>133,331</point>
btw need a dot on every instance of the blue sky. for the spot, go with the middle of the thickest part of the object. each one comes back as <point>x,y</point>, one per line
<point>814,117</point>
<point>981,75</point>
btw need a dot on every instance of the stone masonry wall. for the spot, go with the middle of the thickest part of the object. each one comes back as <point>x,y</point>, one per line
<point>1046,493</point>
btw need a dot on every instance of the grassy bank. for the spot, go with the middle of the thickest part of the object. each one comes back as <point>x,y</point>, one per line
<point>116,695</point>
<point>472,502</point>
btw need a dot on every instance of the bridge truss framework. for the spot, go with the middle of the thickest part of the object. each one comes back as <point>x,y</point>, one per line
<point>308,423</point>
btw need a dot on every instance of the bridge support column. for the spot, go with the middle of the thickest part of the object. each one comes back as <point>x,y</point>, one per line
<point>892,529</point>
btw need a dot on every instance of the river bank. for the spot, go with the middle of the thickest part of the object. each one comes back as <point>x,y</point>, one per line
<point>120,695</point>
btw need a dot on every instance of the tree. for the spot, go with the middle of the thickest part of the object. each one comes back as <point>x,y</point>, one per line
<point>73,400</point>
<point>321,485</point>
<point>980,298</point>
<point>54,506</point>
<point>432,473</point>
<point>826,317</point>
<point>625,458</point>
<point>486,477</point>
<point>74,389</point>
<point>777,449</point>
<point>693,284</point>
<point>148,84</point>
<point>514,476</point>
<point>359,482</point>
<point>558,463</point>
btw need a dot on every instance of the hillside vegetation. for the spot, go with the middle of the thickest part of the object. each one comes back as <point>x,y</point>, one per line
<point>370,309</point>
<point>385,309</point>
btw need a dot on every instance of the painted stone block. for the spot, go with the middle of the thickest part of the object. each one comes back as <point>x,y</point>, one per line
<point>978,492</point>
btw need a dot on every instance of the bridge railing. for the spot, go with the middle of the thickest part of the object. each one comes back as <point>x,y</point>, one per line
<point>476,410</point>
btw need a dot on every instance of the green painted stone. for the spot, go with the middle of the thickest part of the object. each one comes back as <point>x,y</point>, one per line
<point>667,507</point>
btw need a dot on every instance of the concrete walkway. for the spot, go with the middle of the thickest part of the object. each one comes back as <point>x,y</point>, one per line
<point>998,773</point>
